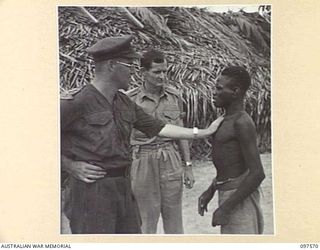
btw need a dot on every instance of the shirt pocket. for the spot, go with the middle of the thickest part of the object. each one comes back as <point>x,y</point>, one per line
<point>172,116</point>
<point>99,129</point>
<point>99,118</point>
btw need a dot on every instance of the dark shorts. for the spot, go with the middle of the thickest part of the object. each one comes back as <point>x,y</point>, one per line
<point>106,206</point>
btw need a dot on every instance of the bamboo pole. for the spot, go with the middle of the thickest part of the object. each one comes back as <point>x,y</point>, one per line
<point>89,15</point>
<point>133,18</point>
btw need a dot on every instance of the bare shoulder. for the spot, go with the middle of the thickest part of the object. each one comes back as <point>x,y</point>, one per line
<point>243,122</point>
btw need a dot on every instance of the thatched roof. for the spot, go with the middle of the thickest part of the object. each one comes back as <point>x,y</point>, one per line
<point>198,44</point>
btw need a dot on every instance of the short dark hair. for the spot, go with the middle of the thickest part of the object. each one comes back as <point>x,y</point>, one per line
<point>240,76</point>
<point>151,56</point>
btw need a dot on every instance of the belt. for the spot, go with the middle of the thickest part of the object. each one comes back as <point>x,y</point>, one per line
<point>159,148</point>
<point>231,183</point>
<point>155,145</point>
<point>116,172</point>
<point>113,172</point>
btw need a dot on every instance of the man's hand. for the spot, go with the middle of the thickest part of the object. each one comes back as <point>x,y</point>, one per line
<point>188,177</point>
<point>204,200</point>
<point>220,217</point>
<point>86,172</point>
<point>215,124</point>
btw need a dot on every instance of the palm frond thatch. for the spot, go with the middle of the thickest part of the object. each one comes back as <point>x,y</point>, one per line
<point>198,44</point>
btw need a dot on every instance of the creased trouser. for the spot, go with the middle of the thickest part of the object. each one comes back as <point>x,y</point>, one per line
<point>157,185</point>
<point>246,217</point>
<point>106,206</point>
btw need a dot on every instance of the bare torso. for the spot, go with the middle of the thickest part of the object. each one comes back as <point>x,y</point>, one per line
<point>227,155</point>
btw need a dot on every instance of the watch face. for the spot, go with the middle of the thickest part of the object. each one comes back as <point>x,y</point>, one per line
<point>195,131</point>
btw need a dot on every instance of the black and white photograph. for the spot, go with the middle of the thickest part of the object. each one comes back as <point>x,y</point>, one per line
<point>165,120</point>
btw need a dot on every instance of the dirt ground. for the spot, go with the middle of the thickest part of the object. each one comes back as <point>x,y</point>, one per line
<point>204,172</point>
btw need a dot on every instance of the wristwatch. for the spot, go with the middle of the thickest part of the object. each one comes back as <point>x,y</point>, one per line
<point>188,163</point>
<point>195,132</point>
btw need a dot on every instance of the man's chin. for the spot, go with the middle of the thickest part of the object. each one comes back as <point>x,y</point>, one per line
<point>160,84</point>
<point>125,86</point>
<point>217,104</point>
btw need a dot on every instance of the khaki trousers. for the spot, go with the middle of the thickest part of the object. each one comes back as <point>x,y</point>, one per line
<point>157,185</point>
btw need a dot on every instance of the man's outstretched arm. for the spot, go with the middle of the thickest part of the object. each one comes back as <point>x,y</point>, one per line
<point>177,132</point>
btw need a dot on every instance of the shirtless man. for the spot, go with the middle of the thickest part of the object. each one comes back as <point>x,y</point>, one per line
<point>236,158</point>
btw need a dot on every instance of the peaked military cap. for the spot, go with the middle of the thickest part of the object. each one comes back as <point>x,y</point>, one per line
<point>113,47</point>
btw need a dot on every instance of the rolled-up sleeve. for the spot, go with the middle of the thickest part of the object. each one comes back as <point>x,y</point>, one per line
<point>146,123</point>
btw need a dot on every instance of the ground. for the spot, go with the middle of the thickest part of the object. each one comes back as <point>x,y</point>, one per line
<point>195,224</point>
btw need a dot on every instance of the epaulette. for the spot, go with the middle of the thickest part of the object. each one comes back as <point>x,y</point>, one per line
<point>173,91</point>
<point>132,92</point>
<point>122,91</point>
<point>66,96</point>
<point>69,95</point>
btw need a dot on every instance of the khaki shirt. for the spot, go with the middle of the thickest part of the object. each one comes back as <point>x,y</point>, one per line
<point>169,109</point>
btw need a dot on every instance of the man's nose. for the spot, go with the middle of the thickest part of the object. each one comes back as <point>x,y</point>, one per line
<point>162,75</point>
<point>214,92</point>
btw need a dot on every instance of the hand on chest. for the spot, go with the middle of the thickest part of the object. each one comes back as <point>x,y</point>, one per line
<point>226,133</point>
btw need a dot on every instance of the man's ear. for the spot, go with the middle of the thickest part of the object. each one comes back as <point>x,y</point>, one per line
<point>237,91</point>
<point>110,64</point>
<point>143,71</point>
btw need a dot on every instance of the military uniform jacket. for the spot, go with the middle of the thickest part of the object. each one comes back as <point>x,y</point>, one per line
<point>98,132</point>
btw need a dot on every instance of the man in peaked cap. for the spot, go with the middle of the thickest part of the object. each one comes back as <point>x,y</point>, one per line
<point>112,47</point>
<point>95,148</point>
